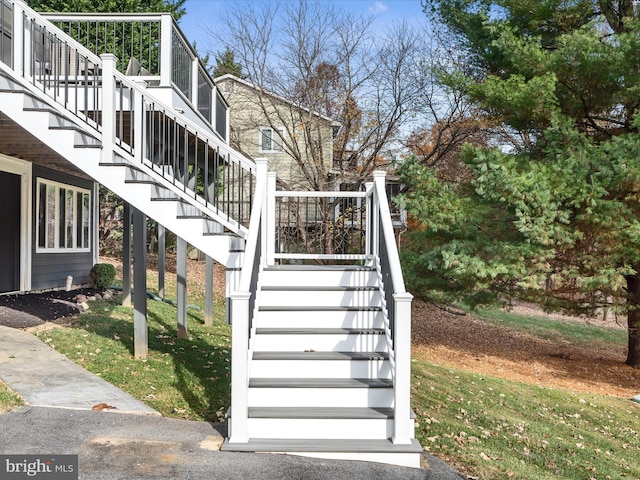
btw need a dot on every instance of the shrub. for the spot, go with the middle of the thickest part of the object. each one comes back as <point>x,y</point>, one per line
<point>102,275</point>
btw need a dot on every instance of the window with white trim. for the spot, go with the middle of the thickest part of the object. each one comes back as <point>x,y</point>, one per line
<point>271,139</point>
<point>64,217</point>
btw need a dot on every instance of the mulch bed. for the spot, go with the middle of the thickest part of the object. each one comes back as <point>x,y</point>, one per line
<point>33,309</point>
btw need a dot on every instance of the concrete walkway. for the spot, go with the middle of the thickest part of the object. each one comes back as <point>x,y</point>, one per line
<point>59,420</point>
<point>46,378</point>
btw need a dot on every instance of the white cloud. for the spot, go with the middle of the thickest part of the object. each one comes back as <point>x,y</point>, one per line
<point>378,7</point>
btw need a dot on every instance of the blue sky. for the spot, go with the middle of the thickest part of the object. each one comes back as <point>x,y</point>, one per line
<point>201,14</point>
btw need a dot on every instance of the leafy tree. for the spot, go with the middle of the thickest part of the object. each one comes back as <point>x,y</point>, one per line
<point>552,213</point>
<point>226,63</point>
<point>175,7</point>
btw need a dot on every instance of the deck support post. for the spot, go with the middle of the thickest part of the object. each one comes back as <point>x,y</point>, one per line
<point>161,259</point>
<point>140,330</point>
<point>181,270</point>
<point>208,292</point>
<point>126,256</point>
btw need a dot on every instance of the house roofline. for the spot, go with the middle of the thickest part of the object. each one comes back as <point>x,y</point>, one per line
<point>230,76</point>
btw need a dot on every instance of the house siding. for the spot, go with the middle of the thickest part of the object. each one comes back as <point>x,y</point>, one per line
<point>50,270</point>
<point>247,116</point>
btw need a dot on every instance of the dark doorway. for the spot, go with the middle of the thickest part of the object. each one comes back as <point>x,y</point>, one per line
<point>9,232</point>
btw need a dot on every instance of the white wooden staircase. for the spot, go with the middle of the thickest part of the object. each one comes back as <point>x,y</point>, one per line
<point>320,354</point>
<point>320,380</point>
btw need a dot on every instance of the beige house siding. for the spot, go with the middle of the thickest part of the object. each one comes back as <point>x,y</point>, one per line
<point>252,109</point>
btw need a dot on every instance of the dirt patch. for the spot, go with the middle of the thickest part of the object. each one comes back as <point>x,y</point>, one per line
<point>463,341</point>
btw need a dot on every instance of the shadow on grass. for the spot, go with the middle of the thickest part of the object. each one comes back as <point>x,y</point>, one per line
<point>198,367</point>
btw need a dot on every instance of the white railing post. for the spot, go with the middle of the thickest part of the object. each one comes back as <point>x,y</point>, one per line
<point>195,78</point>
<point>368,247</point>
<point>108,101</point>
<point>378,180</point>
<point>402,429</point>
<point>18,40</point>
<point>239,423</point>
<point>166,40</point>
<point>262,178</point>
<point>138,111</point>
<point>271,218</point>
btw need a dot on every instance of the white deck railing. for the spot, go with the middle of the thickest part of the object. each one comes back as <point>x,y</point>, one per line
<point>127,119</point>
<point>151,46</point>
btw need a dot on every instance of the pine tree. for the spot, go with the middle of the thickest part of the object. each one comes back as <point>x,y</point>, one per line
<point>553,215</point>
<point>226,63</point>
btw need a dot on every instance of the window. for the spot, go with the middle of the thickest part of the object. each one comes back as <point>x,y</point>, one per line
<point>63,217</point>
<point>271,140</point>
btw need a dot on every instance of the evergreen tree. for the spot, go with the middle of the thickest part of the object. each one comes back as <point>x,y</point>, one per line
<point>554,215</point>
<point>176,7</point>
<point>226,63</point>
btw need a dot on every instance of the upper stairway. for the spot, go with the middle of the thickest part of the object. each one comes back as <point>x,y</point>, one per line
<point>169,162</point>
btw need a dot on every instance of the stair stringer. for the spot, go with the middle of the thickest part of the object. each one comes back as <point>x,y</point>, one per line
<point>73,144</point>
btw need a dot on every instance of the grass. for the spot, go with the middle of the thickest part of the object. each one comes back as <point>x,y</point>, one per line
<point>8,399</point>
<point>496,429</point>
<point>555,330</point>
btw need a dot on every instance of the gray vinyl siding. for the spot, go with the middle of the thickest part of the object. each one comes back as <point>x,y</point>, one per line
<point>50,270</point>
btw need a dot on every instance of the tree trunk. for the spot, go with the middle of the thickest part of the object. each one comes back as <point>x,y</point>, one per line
<point>633,319</point>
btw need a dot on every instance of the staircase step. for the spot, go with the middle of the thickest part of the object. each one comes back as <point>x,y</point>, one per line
<point>317,308</point>
<point>161,194</point>
<point>133,175</point>
<point>346,298</point>
<point>319,339</point>
<point>186,210</point>
<point>320,331</point>
<point>321,364</point>
<point>333,319</point>
<point>341,449</point>
<point>116,161</point>
<point>319,276</point>
<point>83,140</point>
<point>320,383</point>
<point>328,356</point>
<point>321,288</point>
<point>321,413</point>
<point>320,392</point>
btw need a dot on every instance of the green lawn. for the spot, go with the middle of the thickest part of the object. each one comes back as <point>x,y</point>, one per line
<point>576,333</point>
<point>496,429</point>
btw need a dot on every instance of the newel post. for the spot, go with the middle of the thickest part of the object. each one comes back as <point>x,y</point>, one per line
<point>239,423</point>
<point>403,429</point>
<point>166,39</point>
<point>20,64</point>
<point>108,105</point>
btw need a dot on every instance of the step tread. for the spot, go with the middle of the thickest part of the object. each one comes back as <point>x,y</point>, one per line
<point>311,288</point>
<point>318,308</point>
<point>346,356</point>
<point>320,331</point>
<point>331,445</point>
<point>321,268</point>
<point>320,383</point>
<point>322,412</point>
